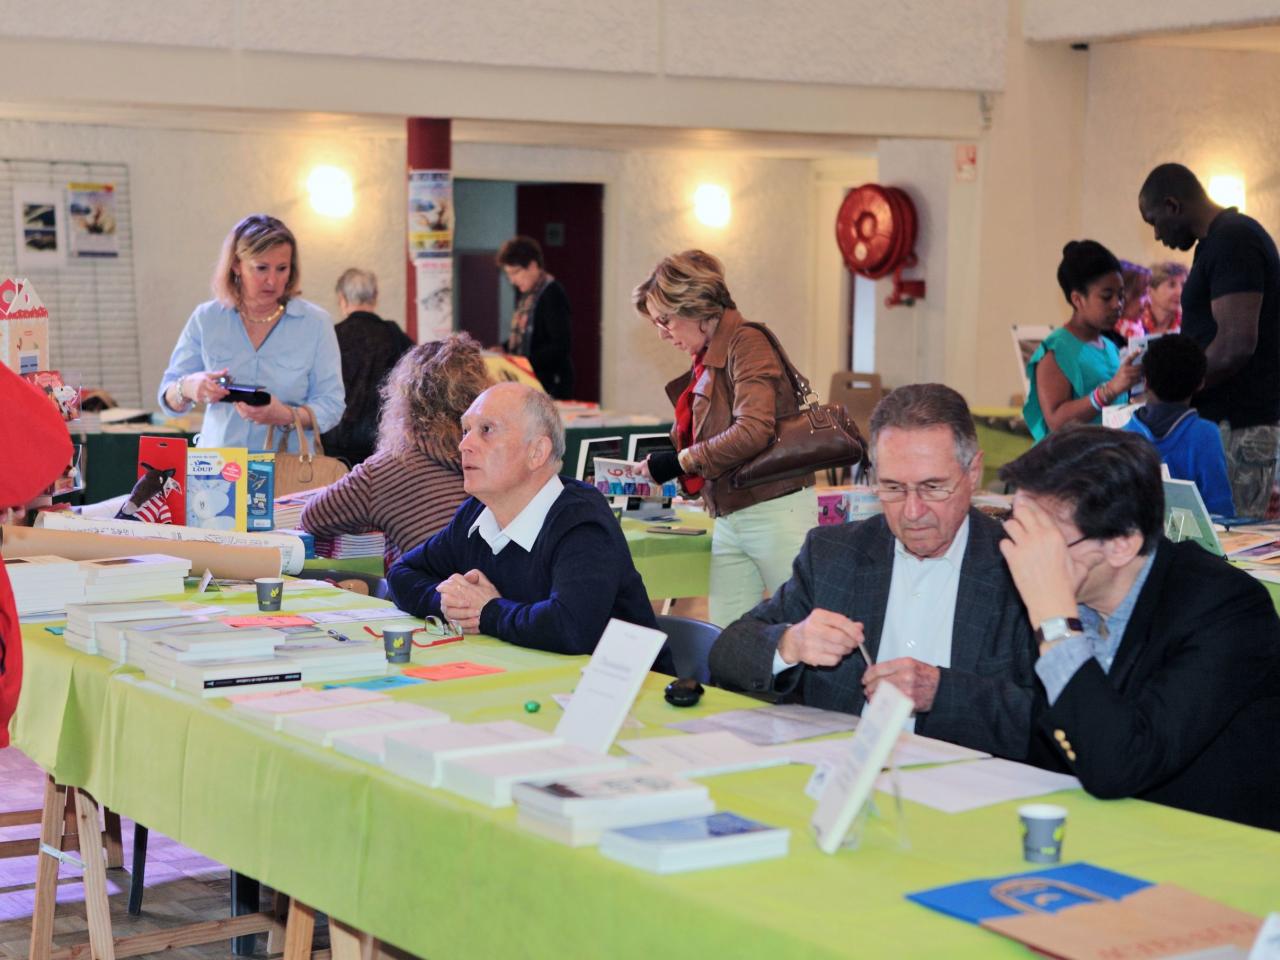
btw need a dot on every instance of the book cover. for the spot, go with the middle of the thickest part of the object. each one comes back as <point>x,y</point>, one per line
<point>160,495</point>
<point>217,488</point>
<point>261,493</point>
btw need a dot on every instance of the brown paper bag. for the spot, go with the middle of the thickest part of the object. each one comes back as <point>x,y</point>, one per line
<point>1159,921</point>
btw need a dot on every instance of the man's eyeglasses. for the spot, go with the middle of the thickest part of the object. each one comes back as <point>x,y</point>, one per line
<point>931,491</point>
<point>444,629</point>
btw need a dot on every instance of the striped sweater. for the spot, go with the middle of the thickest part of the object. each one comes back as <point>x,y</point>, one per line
<point>408,498</point>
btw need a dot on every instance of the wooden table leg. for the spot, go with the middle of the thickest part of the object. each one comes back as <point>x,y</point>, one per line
<point>51,823</point>
<point>94,856</point>
<point>348,943</point>
<point>275,937</point>
<point>115,845</point>
<point>299,932</point>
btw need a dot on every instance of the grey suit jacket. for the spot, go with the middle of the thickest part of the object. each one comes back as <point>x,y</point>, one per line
<point>984,698</point>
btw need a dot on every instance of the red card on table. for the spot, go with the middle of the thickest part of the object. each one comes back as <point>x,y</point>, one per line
<point>451,671</point>
<point>272,620</point>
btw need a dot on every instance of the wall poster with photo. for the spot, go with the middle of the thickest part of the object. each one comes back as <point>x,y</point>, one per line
<point>40,238</point>
<point>91,220</point>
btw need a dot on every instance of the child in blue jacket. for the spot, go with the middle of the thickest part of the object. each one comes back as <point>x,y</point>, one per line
<point>1174,367</point>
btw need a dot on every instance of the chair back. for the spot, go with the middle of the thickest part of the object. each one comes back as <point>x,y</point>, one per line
<point>690,643</point>
<point>859,392</point>
<point>367,584</point>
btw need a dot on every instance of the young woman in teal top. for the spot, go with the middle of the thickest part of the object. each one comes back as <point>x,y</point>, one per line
<point>1076,371</point>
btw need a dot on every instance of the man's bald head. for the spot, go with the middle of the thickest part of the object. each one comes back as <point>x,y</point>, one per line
<point>1171,180</point>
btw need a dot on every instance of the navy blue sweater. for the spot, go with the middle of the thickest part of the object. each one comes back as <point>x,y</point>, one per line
<point>559,597</point>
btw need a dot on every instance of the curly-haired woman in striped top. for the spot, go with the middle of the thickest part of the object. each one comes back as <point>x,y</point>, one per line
<point>412,485</point>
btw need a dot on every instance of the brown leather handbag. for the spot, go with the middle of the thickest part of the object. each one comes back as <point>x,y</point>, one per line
<point>817,436</point>
<point>303,470</point>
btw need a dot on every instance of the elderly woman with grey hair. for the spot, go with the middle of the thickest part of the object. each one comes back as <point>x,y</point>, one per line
<point>725,409</point>
<point>370,347</point>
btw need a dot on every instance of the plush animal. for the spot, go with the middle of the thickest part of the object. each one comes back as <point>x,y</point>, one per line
<point>207,499</point>
<point>148,502</point>
<point>68,400</point>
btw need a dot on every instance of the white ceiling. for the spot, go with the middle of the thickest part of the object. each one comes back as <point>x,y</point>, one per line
<point>1265,39</point>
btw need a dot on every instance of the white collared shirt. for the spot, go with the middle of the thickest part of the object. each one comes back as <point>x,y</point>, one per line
<point>526,526</point>
<point>921,609</point>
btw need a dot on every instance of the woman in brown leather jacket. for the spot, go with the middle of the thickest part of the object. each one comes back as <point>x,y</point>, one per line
<point>725,408</point>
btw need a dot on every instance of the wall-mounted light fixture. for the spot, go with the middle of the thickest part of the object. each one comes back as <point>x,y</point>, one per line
<point>1227,191</point>
<point>711,205</point>
<point>331,192</point>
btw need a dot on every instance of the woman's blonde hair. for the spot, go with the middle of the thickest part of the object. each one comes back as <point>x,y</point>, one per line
<point>425,395</point>
<point>689,284</point>
<point>1161,272</point>
<point>252,237</point>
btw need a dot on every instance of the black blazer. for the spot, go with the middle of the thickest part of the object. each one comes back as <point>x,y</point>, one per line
<point>1190,712</point>
<point>984,698</point>
<point>550,341</point>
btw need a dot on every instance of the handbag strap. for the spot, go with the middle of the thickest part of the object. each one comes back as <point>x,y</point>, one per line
<point>805,396</point>
<point>304,444</point>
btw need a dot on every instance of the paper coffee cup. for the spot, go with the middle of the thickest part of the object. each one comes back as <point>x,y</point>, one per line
<point>397,644</point>
<point>1042,828</point>
<point>270,590</point>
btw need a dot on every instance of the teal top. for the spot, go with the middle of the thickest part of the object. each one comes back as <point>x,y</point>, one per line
<point>1085,365</point>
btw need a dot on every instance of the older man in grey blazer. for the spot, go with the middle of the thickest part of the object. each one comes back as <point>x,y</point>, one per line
<point>918,597</point>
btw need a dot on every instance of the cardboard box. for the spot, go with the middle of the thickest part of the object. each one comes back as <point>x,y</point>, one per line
<point>24,327</point>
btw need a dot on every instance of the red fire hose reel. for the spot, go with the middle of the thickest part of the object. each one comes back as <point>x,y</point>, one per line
<point>876,232</point>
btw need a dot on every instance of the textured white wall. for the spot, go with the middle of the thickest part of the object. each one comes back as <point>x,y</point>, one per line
<point>958,45</point>
<point>189,189</point>
<point>1098,19</point>
<point>1030,168</point>
<point>648,214</point>
<point>1216,112</point>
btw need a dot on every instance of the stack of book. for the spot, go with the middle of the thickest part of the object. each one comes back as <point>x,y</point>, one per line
<point>695,843</point>
<point>128,578</point>
<point>323,726</point>
<point>44,584</point>
<point>124,641</point>
<point>324,658</point>
<point>220,662</point>
<point>490,778</point>
<point>83,619</point>
<point>420,754</point>
<point>272,708</point>
<point>288,510</point>
<point>346,545</point>
<point>577,810</point>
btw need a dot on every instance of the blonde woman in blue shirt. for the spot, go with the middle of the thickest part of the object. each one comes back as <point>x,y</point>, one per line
<point>260,333</point>
<point>1076,371</point>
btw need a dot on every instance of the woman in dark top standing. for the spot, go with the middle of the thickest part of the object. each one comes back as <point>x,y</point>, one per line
<point>540,328</point>
<point>370,347</point>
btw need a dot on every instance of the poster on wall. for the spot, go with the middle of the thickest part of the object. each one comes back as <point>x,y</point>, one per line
<point>91,220</point>
<point>434,279</point>
<point>430,213</point>
<point>39,235</point>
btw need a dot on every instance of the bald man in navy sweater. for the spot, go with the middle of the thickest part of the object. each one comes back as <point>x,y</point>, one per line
<point>530,558</point>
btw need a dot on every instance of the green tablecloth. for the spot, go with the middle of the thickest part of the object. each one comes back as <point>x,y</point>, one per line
<point>444,878</point>
<point>670,564</point>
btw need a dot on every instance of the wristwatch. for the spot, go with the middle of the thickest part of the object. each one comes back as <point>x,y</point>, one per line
<point>1056,629</point>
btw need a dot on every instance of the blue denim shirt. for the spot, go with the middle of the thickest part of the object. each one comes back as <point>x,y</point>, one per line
<point>298,363</point>
<point>1101,640</point>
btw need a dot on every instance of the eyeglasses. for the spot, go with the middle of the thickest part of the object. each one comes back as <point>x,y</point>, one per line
<point>1078,540</point>
<point>663,320</point>
<point>930,491</point>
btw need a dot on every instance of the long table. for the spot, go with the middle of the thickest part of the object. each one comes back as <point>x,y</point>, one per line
<point>442,877</point>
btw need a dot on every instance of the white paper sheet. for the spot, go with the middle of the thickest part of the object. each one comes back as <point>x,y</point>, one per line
<point>765,726</point>
<point>703,754</point>
<point>956,787</point>
<point>609,685</point>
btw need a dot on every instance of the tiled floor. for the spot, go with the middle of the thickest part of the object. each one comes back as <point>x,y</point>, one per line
<point>182,886</point>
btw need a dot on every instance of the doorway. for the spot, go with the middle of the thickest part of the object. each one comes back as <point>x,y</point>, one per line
<point>567,220</point>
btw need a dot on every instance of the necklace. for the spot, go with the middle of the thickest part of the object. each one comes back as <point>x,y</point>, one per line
<point>274,316</point>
